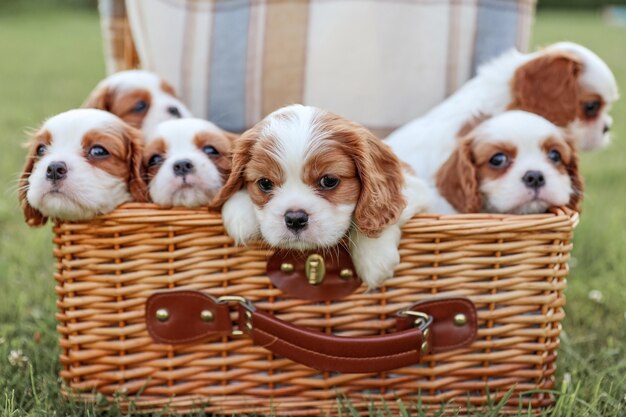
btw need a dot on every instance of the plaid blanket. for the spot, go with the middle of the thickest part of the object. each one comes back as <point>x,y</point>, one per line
<point>378,62</point>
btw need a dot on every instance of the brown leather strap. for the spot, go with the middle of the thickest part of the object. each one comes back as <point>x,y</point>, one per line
<point>430,326</point>
<point>335,353</point>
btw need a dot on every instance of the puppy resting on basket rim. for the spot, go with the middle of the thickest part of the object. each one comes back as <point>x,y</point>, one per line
<point>305,178</point>
<point>82,163</point>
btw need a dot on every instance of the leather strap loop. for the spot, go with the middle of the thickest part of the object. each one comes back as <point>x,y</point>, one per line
<point>193,316</point>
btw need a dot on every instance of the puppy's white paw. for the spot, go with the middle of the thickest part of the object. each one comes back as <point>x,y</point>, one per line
<point>240,218</point>
<point>375,259</point>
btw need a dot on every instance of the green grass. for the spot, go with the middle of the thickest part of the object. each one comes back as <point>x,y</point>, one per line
<point>49,61</point>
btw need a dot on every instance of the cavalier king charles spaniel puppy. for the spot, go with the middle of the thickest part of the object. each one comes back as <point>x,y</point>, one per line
<point>140,98</point>
<point>304,178</point>
<point>82,163</point>
<point>516,162</point>
<point>565,83</point>
<point>186,162</point>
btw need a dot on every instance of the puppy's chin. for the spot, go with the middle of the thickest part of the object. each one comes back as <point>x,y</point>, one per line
<point>63,206</point>
<point>188,196</point>
<point>528,203</point>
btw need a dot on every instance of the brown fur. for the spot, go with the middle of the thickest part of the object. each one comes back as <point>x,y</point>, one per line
<point>121,105</point>
<point>380,201</point>
<point>157,146</point>
<point>548,86</point>
<point>32,216</point>
<point>223,142</point>
<point>241,156</point>
<point>168,88</point>
<point>457,179</point>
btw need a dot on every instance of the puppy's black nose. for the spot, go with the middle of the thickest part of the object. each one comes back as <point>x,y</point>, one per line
<point>56,171</point>
<point>534,179</point>
<point>606,128</point>
<point>173,110</point>
<point>296,220</point>
<point>183,167</point>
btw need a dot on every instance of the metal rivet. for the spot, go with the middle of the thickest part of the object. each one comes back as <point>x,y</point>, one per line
<point>248,314</point>
<point>460,320</point>
<point>162,314</point>
<point>287,267</point>
<point>249,326</point>
<point>426,334</point>
<point>425,347</point>
<point>206,315</point>
<point>346,274</point>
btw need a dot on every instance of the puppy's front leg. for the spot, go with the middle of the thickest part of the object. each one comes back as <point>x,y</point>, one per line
<point>239,218</point>
<point>375,259</point>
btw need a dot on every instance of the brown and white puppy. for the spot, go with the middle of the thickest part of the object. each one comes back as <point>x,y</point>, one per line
<point>186,162</point>
<point>304,178</point>
<point>140,98</point>
<point>516,162</point>
<point>82,163</point>
<point>565,83</point>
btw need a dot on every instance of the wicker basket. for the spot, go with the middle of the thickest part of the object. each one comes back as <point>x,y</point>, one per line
<point>513,268</point>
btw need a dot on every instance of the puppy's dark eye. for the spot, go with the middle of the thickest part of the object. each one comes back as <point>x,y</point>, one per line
<point>554,156</point>
<point>499,160</point>
<point>98,151</point>
<point>328,182</point>
<point>41,150</point>
<point>265,185</point>
<point>591,108</point>
<point>140,106</point>
<point>210,150</point>
<point>155,159</point>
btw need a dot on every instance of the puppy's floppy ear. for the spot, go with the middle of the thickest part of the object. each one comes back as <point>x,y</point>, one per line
<point>33,217</point>
<point>381,201</point>
<point>548,86</point>
<point>457,179</point>
<point>576,179</point>
<point>136,181</point>
<point>100,98</point>
<point>242,145</point>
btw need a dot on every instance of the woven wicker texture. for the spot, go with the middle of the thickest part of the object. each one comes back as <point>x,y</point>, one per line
<point>512,267</point>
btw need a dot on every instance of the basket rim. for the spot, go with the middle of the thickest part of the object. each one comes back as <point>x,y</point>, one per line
<point>557,219</point>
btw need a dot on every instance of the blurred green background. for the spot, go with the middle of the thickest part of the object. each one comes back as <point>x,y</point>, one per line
<point>51,57</point>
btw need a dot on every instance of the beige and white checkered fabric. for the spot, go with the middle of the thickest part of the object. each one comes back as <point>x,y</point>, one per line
<point>379,62</point>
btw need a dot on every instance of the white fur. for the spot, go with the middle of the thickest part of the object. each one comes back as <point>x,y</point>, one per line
<point>297,133</point>
<point>200,186</point>
<point>86,191</point>
<point>140,79</point>
<point>428,141</point>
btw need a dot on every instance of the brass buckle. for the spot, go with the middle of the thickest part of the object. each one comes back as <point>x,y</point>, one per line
<point>247,304</point>
<point>421,319</point>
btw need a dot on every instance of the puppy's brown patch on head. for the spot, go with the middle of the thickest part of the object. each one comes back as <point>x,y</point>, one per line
<point>555,144</point>
<point>167,88</point>
<point>158,147</point>
<point>378,170</point>
<point>262,165</point>
<point>457,179</point>
<point>548,86</point>
<point>331,160</point>
<point>223,144</point>
<point>32,216</point>
<point>482,152</point>
<point>125,150</point>
<point>127,106</point>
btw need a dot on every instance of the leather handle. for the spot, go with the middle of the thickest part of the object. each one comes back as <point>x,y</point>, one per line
<point>426,327</point>
<point>335,353</point>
